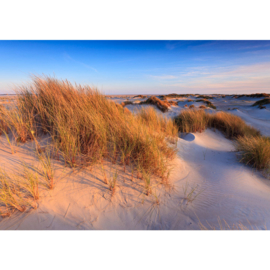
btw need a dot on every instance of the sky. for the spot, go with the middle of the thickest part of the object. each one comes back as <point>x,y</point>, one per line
<point>141,67</point>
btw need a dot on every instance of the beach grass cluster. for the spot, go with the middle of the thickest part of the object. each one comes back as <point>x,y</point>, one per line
<point>85,127</point>
<point>207,102</point>
<point>231,125</point>
<point>262,102</point>
<point>253,147</point>
<point>198,120</point>
<point>204,97</point>
<point>255,151</point>
<point>192,121</point>
<point>162,105</point>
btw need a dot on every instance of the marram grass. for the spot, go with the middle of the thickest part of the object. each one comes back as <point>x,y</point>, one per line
<point>86,127</point>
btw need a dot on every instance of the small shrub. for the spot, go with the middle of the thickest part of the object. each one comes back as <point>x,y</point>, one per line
<point>191,106</point>
<point>202,107</point>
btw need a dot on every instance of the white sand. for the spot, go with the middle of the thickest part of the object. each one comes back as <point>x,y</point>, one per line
<point>228,192</point>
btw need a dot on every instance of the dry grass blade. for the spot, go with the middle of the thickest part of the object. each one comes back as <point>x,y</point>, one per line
<point>47,167</point>
<point>11,196</point>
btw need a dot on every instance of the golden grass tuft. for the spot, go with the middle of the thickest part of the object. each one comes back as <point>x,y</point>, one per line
<point>157,122</point>
<point>162,105</point>
<point>207,102</point>
<point>255,151</point>
<point>85,127</point>
<point>231,125</point>
<point>192,121</point>
<point>197,120</point>
<point>254,148</point>
<point>18,121</point>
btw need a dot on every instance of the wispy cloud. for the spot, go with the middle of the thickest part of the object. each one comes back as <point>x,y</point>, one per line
<point>68,57</point>
<point>163,77</point>
<point>251,78</point>
<point>254,46</point>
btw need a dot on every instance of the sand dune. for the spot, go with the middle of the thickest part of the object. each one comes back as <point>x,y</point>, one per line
<point>208,188</point>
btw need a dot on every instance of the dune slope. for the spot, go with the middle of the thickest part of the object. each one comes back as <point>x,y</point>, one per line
<point>209,189</point>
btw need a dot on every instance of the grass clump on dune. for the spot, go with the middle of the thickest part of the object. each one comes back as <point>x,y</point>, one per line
<point>174,95</point>
<point>125,103</point>
<point>232,126</point>
<point>192,121</point>
<point>162,105</point>
<point>157,122</point>
<point>85,127</point>
<point>14,118</point>
<point>254,148</point>
<point>262,102</point>
<point>140,96</point>
<point>257,95</point>
<point>255,151</point>
<point>172,102</point>
<point>205,97</point>
<point>207,102</point>
<point>197,120</point>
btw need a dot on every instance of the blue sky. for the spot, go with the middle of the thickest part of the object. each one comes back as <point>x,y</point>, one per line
<point>141,67</point>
